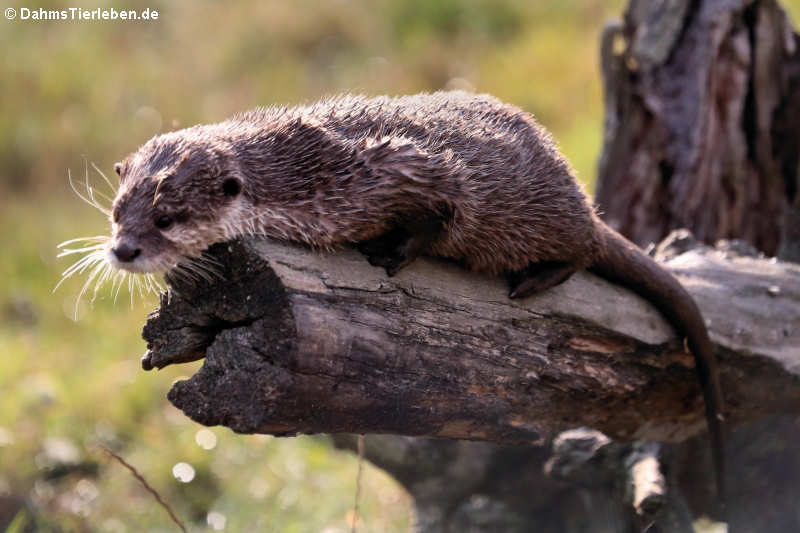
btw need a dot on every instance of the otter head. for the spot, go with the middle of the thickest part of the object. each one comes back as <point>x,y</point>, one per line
<point>178,194</point>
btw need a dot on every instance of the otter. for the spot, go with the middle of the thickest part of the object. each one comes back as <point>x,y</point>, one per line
<point>448,174</point>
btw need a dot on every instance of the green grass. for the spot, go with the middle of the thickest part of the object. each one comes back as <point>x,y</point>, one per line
<point>77,92</point>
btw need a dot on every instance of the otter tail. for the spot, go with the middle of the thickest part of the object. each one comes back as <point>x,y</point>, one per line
<point>623,263</point>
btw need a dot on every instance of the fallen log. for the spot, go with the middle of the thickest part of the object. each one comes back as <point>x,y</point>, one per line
<point>297,341</point>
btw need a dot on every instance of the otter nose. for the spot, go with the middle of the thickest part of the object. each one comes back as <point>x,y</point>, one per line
<point>126,253</point>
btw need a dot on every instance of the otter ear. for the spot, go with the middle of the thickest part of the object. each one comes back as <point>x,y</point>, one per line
<point>118,169</point>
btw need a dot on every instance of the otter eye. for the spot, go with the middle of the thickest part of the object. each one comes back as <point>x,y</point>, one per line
<point>231,187</point>
<point>163,222</point>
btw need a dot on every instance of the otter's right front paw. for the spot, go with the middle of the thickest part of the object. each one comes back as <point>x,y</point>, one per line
<point>388,251</point>
<point>393,263</point>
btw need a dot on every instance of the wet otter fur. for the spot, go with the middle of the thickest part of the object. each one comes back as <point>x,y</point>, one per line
<point>448,174</point>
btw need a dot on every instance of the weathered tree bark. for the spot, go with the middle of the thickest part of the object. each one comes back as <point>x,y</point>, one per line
<point>299,342</point>
<point>327,343</point>
<point>702,126</point>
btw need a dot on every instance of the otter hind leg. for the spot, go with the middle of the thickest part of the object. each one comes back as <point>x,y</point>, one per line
<point>400,246</point>
<point>537,277</point>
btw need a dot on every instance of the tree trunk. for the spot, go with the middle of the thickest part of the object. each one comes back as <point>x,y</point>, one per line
<point>702,126</point>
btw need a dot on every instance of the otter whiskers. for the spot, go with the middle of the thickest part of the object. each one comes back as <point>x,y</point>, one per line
<point>91,194</point>
<point>193,269</point>
<point>99,271</point>
<point>93,251</point>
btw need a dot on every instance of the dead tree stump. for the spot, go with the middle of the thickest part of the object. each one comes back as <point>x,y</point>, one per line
<point>702,127</point>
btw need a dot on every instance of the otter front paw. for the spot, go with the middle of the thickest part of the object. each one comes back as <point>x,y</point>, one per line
<point>393,250</point>
<point>393,263</point>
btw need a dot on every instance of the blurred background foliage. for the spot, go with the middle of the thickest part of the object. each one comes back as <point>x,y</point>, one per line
<point>90,92</point>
